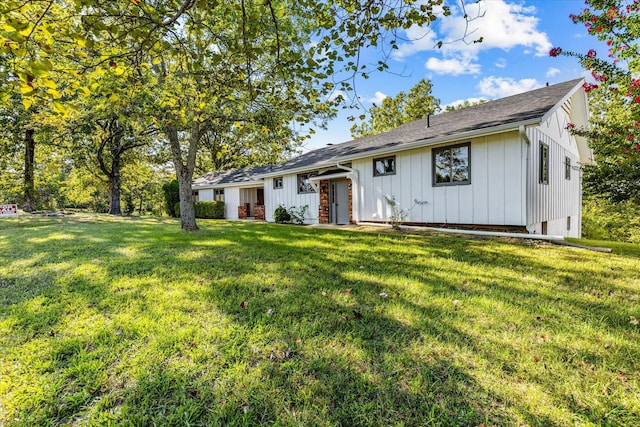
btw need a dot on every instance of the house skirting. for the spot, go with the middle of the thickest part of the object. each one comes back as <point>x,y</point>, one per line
<point>480,227</point>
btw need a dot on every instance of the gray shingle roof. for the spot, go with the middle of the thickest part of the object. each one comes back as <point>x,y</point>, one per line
<point>235,176</point>
<point>510,110</point>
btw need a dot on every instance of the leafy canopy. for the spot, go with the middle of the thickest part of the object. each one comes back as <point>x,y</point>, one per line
<point>614,93</point>
<point>417,104</point>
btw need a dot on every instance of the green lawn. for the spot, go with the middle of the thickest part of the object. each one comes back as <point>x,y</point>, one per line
<point>133,322</point>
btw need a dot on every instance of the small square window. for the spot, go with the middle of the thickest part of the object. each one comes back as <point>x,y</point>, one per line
<point>304,183</point>
<point>384,166</point>
<point>543,169</point>
<point>277,183</point>
<point>567,168</point>
<point>452,165</point>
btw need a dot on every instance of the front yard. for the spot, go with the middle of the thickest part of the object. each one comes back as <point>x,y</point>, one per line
<point>127,321</point>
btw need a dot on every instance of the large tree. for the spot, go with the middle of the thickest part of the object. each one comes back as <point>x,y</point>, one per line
<point>206,62</point>
<point>614,91</point>
<point>107,124</point>
<point>417,104</point>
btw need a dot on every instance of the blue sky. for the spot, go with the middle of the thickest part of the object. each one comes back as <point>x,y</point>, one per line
<point>513,57</point>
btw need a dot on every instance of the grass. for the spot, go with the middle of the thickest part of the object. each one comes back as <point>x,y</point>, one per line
<point>116,321</point>
<point>620,248</point>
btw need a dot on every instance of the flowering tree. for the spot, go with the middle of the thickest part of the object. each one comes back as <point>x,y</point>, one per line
<point>614,93</point>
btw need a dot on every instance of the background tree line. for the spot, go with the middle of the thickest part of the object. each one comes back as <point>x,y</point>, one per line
<point>117,91</point>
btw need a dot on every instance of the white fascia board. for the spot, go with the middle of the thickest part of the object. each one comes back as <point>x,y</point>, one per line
<point>408,146</point>
<point>259,183</point>
<point>344,174</point>
<point>564,99</point>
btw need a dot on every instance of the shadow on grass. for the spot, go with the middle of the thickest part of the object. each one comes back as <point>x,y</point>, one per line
<point>148,326</point>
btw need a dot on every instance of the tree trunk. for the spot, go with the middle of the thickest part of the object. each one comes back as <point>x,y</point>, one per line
<point>184,174</point>
<point>187,210</point>
<point>29,166</point>
<point>114,185</point>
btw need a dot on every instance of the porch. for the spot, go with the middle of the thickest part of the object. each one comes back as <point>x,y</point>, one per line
<point>251,203</point>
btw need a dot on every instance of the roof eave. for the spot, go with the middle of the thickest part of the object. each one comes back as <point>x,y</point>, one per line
<point>255,183</point>
<point>409,146</point>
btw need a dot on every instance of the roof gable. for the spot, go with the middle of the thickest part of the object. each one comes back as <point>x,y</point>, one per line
<point>530,106</point>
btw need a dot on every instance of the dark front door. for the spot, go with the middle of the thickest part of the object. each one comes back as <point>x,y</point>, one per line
<point>339,201</point>
<point>260,196</point>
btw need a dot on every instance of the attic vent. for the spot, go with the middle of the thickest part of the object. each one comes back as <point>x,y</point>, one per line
<point>567,106</point>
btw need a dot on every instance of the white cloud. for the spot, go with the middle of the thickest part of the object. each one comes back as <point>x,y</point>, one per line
<point>499,87</point>
<point>500,24</point>
<point>335,94</point>
<point>501,63</point>
<point>422,39</point>
<point>378,98</point>
<point>552,72</point>
<point>454,66</point>
<point>457,102</point>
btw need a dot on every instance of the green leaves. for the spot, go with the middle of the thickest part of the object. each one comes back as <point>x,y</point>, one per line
<point>394,111</point>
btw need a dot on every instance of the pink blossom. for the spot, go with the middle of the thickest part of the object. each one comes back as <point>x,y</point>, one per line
<point>570,126</point>
<point>555,51</point>
<point>636,99</point>
<point>630,138</point>
<point>591,53</point>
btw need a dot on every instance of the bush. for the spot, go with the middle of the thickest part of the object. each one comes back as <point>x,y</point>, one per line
<point>280,215</point>
<point>206,209</point>
<point>209,209</point>
<point>171,191</point>
<point>297,214</point>
<point>605,220</point>
<point>292,216</point>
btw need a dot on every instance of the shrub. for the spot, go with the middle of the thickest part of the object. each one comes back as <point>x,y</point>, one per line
<point>280,215</point>
<point>206,209</point>
<point>209,209</point>
<point>297,214</point>
<point>606,220</point>
<point>171,191</point>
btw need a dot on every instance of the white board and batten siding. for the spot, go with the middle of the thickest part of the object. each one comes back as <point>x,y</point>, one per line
<point>288,197</point>
<point>495,196</point>
<point>231,200</point>
<point>557,203</point>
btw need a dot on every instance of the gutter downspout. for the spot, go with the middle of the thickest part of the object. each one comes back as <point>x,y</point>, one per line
<point>355,181</point>
<point>528,196</point>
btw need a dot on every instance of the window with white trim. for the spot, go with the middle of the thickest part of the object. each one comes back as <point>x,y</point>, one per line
<point>218,194</point>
